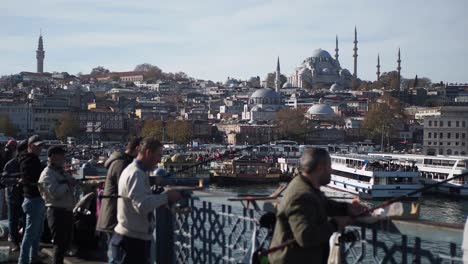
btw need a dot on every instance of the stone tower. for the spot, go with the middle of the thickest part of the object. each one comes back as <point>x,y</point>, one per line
<point>40,54</point>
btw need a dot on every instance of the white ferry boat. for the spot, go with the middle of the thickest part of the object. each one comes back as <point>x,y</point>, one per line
<point>439,168</point>
<point>374,177</point>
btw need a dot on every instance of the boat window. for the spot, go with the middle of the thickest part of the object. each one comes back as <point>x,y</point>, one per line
<point>399,180</point>
<point>352,175</point>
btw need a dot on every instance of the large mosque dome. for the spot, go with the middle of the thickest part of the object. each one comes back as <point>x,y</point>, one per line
<point>320,53</point>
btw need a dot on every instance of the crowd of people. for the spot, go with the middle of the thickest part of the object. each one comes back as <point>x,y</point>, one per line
<point>44,194</point>
<point>38,194</point>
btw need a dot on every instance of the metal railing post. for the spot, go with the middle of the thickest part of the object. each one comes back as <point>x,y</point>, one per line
<point>164,234</point>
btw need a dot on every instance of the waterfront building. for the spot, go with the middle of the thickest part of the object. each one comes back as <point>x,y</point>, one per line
<point>446,131</point>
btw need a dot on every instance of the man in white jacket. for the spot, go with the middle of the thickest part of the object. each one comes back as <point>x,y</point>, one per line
<point>136,203</point>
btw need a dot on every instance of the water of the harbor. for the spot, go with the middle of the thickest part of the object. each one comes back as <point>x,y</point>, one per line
<point>433,207</point>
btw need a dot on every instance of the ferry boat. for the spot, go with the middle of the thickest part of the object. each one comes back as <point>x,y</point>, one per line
<point>245,169</point>
<point>374,177</point>
<point>439,168</point>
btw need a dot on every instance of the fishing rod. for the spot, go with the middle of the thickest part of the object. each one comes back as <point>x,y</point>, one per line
<point>13,179</point>
<point>408,195</point>
<point>370,210</point>
<point>217,158</point>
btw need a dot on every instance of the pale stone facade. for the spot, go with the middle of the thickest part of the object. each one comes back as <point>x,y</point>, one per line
<point>446,132</point>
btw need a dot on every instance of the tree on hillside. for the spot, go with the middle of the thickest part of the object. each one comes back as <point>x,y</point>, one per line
<point>384,118</point>
<point>67,126</point>
<point>179,131</point>
<point>6,127</point>
<point>419,82</point>
<point>153,128</point>
<point>290,123</point>
<point>271,79</point>
<point>151,72</point>
<point>99,70</point>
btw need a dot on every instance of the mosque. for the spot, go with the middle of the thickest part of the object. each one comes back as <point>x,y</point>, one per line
<point>264,103</point>
<point>322,68</point>
<point>317,71</point>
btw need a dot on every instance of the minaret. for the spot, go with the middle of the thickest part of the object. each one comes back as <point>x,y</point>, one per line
<point>399,69</point>
<point>378,67</point>
<point>336,49</point>
<point>278,77</point>
<point>40,54</point>
<point>355,55</point>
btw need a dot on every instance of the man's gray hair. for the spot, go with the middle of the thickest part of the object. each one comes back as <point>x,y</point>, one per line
<point>312,157</point>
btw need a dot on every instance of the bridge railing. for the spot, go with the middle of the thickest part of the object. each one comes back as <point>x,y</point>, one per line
<point>394,241</point>
<point>205,232</point>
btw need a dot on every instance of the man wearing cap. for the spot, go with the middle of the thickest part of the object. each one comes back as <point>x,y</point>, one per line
<point>14,195</point>
<point>33,205</point>
<point>56,188</point>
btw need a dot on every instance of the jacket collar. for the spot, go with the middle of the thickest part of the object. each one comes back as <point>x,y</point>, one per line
<point>60,169</point>
<point>140,165</point>
<point>307,181</point>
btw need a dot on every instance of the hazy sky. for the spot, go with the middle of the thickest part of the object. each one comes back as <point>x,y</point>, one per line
<point>215,39</point>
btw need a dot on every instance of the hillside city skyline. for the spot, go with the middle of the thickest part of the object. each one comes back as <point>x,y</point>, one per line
<point>230,56</point>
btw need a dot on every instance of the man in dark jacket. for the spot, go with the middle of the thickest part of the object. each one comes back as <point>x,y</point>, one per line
<point>33,205</point>
<point>307,216</point>
<point>115,164</point>
<point>14,195</point>
<point>8,153</point>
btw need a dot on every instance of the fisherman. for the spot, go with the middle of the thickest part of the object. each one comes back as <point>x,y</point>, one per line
<point>33,205</point>
<point>14,195</point>
<point>57,189</point>
<point>131,240</point>
<point>115,164</point>
<point>307,216</point>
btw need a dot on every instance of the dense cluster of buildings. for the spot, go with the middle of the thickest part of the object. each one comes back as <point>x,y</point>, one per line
<point>113,105</point>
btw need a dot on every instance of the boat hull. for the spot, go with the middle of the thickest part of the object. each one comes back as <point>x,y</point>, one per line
<point>228,180</point>
<point>455,190</point>
<point>375,192</point>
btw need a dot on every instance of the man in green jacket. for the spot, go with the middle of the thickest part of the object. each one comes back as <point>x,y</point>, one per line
<point>306,215</point>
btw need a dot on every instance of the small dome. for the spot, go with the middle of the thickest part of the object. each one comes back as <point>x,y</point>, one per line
<point>345,72</point>
<point>336,88</point>
<point>321,109</point>
<point>321,53</point>
<point>265,93</point>
<point>288,85</point>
